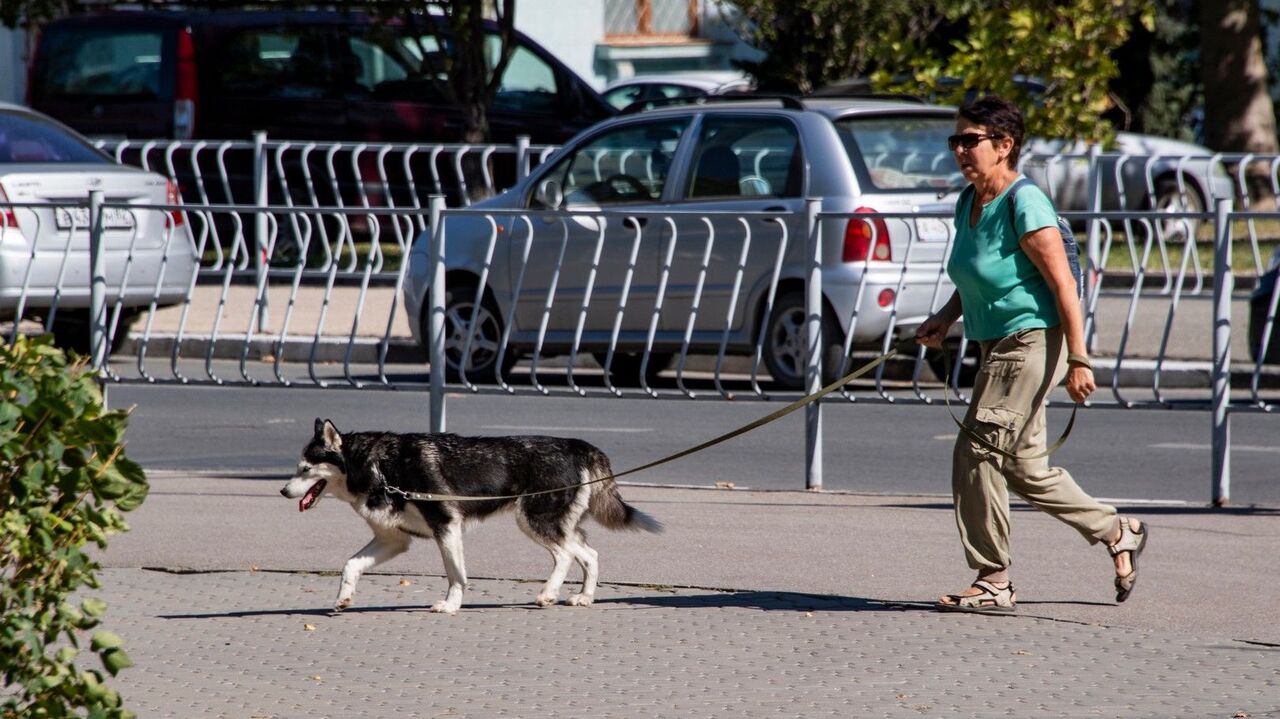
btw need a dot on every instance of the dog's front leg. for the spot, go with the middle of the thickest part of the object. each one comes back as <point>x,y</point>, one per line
<point>449,538</point>
<point>382,547</point>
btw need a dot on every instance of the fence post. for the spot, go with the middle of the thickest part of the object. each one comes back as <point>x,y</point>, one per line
<point>813,331</point>
<point>435,298</point>
<point>260,259</point>
<point>1093,241</point>
<point>1223,285</point>
<point>522,157</point>
<point>97,293</point>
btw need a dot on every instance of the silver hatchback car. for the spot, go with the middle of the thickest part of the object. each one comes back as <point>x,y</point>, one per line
<point>699,244</point>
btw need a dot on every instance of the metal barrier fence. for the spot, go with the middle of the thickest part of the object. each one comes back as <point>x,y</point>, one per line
<point>690,304</point>
<point>330,174</point>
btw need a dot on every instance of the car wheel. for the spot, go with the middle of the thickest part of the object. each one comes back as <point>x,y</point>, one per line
<point>786,340</point>
<point>625,369</point>
<point>71,331</point>
<point>486,335</point>
<point>1169,199</point>
<point>968,364</point>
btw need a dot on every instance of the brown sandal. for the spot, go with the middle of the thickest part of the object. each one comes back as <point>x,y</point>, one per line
<point>992,599</point>
<point>1133,542</point>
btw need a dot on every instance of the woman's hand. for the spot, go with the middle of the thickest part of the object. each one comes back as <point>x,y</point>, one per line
<point>1080,383</point>
<point>932,331</point>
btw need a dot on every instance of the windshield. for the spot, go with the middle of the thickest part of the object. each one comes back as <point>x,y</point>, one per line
<point>901,153</point>
<point>29,138</point>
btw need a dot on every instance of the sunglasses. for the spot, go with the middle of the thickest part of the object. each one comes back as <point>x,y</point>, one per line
<point>969,141</point>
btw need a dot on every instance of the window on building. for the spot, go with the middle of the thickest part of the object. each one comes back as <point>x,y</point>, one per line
<point>657,19</point>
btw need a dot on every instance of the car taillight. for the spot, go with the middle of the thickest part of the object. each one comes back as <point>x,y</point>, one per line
<point>173,197</point>
<point>7,216</point>
<point>186,91</point>
<point>858,236</point>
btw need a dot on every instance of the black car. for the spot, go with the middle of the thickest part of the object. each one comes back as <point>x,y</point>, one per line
<point>296,75</point>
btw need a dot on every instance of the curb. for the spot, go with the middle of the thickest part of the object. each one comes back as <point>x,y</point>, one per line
<point>1134,372</point>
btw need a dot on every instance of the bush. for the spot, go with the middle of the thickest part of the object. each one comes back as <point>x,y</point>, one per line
<point>64,481</point>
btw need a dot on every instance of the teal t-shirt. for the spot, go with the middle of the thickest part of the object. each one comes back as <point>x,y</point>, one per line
<point>1000,287</point>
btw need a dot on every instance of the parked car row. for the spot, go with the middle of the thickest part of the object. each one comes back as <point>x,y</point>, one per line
<point>340,76</point>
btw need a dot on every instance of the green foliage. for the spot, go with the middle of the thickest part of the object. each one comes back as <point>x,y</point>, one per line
<point>811,43</point>
<point>923,47</point>
<point>63,483</point>
<point>1067,45</point>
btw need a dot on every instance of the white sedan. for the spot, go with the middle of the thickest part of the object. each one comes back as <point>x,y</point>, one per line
<point>46,173</point>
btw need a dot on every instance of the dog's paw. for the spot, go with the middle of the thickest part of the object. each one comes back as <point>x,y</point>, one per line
<point>342,604</point>
<point>445,607</point>
<point>545,600</point>
<point>580,600</point>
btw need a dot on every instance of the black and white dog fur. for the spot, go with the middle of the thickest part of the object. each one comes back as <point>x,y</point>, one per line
<point>364,468</point>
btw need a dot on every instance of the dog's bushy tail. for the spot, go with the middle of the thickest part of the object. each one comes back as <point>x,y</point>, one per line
<point>606,504</point>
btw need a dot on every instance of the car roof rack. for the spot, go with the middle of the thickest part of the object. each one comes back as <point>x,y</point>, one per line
<point>899,96</point>
<point>789,102</point>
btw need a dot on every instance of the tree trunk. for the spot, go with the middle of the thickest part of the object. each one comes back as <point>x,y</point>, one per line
<point>1238,114</point>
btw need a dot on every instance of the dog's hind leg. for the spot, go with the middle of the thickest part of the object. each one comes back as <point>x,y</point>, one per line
<point>547,534</point>
<point>587,559</point>
<point>449,539</point>
<point>382,547</point>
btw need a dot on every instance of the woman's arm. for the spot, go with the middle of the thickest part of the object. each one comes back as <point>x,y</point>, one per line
<point>1044,248</point>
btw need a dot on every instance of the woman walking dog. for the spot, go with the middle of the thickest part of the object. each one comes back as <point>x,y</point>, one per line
<point>1017,293</point>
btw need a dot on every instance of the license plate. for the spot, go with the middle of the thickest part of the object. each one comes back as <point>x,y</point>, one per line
<point>113,218</point>
<point>931,229</point>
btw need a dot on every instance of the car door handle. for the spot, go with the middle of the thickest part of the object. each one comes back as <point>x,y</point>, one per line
<point>632,222</point>
<point>775,208</point>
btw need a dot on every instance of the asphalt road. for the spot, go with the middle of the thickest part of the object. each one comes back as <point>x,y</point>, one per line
<point>869,447</point>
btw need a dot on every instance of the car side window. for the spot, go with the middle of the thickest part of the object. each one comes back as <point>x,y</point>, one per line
<point>624,166</point>
<point>746,157</point>
<point>109,63</point>
<point>529,83</point>
<point>279,62</point>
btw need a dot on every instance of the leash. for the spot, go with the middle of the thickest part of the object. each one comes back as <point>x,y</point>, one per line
<point>966,429</point>
<point>901,347</point>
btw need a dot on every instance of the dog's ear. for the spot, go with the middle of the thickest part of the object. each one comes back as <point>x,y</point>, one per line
<point>332,438</point>
<point>319,431</point>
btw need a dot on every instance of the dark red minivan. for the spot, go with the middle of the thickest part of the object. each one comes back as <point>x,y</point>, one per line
<point>296,75</point>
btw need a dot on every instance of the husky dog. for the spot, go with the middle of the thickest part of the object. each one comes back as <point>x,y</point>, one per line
<point>365,469</point>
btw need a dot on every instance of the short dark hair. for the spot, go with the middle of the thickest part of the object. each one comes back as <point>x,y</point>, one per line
<point>1000,116</point>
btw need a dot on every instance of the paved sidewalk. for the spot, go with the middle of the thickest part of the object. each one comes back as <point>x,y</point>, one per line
<point>750,604</point>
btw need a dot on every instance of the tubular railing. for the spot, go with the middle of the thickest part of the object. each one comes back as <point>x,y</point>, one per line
<point>330,174</point>
<point>610,302</point>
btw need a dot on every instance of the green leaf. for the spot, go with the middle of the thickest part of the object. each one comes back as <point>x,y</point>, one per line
<point>93,607</point>
<point>115,660</point>
<point>105,640</point>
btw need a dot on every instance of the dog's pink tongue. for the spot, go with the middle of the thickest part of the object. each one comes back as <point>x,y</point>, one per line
<point>302,504</point>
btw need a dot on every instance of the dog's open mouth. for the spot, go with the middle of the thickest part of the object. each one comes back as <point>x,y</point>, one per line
<point>312,496</point>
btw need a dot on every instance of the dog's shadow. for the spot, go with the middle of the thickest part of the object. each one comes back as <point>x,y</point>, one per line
<point>761,600</point>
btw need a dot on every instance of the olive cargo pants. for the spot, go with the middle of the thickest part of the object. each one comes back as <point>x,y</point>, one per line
<point>1008,410</point>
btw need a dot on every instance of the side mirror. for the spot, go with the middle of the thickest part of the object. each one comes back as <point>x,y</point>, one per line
<point>549,194</point>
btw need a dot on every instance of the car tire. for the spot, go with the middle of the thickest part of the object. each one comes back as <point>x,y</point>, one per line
<point>71,331</point>
<point>968,364</point>
<point>1169,199</point>
<point>625,370</point>
<point>785,342</point>
<point>458,306</point>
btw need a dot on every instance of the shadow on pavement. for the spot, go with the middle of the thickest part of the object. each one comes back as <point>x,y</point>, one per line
<point>770,601</point>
